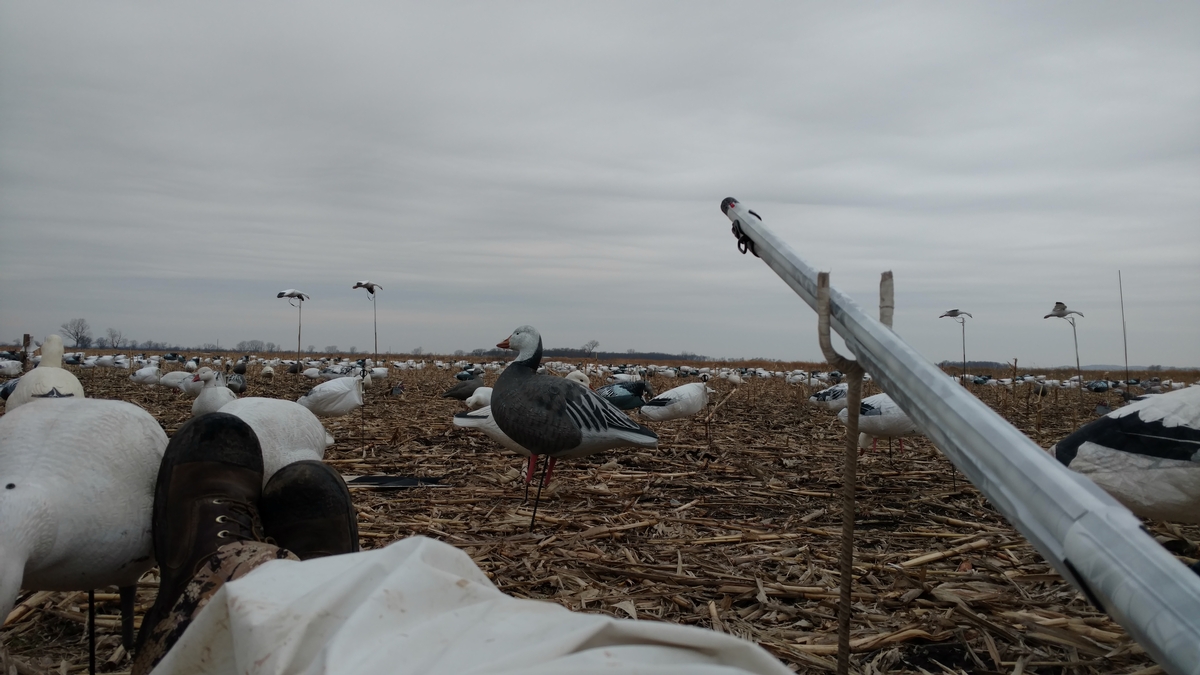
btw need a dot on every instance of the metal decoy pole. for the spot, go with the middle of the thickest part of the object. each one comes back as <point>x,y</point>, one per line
<point>1087,536</point>
<point>854,377</point>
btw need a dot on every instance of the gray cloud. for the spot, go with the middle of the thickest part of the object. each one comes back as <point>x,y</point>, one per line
<point>167,170</point>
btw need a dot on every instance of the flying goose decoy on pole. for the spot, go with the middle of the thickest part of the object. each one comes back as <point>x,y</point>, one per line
<point>293,294</point>
<point>955,313</point>
<point>555,417</point>
<point>1060,310</point>
<point>371,287</point>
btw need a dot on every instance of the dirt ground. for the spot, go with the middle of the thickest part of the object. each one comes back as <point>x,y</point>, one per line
<point>731,525</point>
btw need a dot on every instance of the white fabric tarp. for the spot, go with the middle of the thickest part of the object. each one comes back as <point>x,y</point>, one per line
<point>422,606</point>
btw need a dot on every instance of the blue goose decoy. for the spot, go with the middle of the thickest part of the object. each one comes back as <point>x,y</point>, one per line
<point>7,389</point>
<point>627,395</point>
<point>833,398</point>
<point>464,389</point>
<point>553,416</point>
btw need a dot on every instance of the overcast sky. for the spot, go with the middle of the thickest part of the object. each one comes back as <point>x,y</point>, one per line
<point>167,169</point>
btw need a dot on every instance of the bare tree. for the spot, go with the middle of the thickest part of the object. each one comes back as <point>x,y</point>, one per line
<point>115,338</point>
<point>101,343</point>
<point>79,331</point>
<point>590,346</point>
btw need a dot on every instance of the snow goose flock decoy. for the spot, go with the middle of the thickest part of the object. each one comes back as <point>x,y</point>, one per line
<point>214,395</point>
<point>176,379</point>
<point>48,380</point>
<point>627,395</point>
<point>334,398</point>
<point>677,403</point>
<point>551,416</point>
<point>480,399</point>
<point>955,313</point>
<point>580,377</point>
<point>287,431</point>
<point>1060,310</point>
<point>1146,455</point>
<point>149,376</point>
<point>880,417</point>
<point>77,495</point>
<point>833,398</point>
<point>292,293</point>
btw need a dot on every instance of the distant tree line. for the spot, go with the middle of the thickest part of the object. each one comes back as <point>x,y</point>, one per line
<point>79,332</point>
<point>579,354</point>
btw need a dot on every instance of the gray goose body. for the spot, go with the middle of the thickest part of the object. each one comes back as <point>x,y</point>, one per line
<point>556,417</point>
<point>463,390</point>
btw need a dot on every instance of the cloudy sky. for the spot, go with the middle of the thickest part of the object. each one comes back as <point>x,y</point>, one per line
<point>166,170</point>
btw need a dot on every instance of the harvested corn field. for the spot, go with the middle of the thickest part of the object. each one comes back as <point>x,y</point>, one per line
<point>732,524</point>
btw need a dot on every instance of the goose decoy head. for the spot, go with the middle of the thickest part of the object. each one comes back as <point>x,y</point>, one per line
<point>528,343</point>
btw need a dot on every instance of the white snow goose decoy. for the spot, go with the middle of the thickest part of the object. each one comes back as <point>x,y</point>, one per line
<point>1060,310</point>
<point>287,431</point>
<point>833,398</point>
<point>553,416</point>
<point>334,398</point>
<point>149,376</point>
<point>369,285</point>
<point>1146,455</point>
<point>175,379</point>
<point>76,495</point>
<point>214,395</point>
<point>677,403</point>
<point>292,293</point>
<point>880,417</point>
<point>48,380</point>
<point>955,313</point>
<point>480,399</point>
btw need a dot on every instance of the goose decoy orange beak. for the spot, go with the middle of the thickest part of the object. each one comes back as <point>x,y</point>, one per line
<point>196,378</point>
<point>504,345</point>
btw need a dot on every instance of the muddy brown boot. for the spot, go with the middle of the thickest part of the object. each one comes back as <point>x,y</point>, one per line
<point>306,509</point>
<point>206,496</point>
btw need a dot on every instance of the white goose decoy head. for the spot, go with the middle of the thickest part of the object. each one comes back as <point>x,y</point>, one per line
<point>528,343</point>
<point>578,376</point>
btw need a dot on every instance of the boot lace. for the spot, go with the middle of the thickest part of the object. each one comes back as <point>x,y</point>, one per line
<point>242,522</point>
